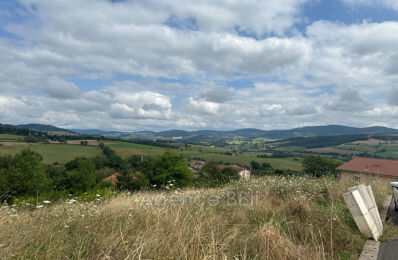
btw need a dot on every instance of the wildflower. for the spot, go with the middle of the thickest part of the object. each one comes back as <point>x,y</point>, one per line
<point>97,195</point>
<point>66,226</point>
<point>71,201</point>
<point>171,184</point>
<point>46,202</point>
<point>39,206</point>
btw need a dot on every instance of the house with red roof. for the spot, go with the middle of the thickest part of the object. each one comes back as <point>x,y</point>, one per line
<point>367,170</point>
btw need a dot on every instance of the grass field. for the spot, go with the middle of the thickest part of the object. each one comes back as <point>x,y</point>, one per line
<point>10,137</point>
<point>391,151</point>
<point>332,150</point>
<point>64,153</point>
<point>207,153</point>
<point>53,152</point>
<point>268,224</point>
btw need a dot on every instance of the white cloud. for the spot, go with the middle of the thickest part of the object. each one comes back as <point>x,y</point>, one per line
<point>348,100</point>
<point>331,73</point>
<point>393,97</point>
<point>142,105</point>
<point>131,37</point>
<point>204,107</point>
<point>59,88</point>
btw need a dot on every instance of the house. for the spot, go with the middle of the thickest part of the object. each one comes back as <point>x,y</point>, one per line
<point>112,179</point>
<point>368,170</point>
<point>196,165</point>
<point>243,172</point>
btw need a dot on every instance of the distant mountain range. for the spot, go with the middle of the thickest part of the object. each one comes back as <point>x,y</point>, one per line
<point>95,132</point>
<point>209,136</point>
<point>45,128</point>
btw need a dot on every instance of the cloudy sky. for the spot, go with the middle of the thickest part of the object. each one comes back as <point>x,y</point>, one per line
<point>209,64</point>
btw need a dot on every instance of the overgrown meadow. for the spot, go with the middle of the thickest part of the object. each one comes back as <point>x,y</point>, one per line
<point>269,217</point>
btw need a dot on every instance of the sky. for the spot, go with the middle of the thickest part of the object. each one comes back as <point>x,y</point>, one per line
<point>134,65</point>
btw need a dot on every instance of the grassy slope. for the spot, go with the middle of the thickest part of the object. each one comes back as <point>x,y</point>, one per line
<point>206,153</point>
<point>63,153</point>
<point>53,152</point>
<point>312,224</point>
<point>10,137</point>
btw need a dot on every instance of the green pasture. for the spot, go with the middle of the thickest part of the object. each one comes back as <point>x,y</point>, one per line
<point>53,152</point>
<point>207,153</point>
<point>10,137</point>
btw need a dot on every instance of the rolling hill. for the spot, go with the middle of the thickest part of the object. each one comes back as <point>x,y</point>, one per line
<point>212,136</point>
<point>45,128</point>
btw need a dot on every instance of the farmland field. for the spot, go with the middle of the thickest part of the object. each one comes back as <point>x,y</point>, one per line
<point>125,149</point>
<point>63,153</point>
<point>332,150</point>
<point>10,137</point>
<point>52,152</point>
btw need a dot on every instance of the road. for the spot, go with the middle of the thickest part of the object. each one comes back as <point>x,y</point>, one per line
<point>389,250</point>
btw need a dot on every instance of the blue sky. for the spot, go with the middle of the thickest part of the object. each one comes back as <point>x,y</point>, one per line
<point>220,64</point>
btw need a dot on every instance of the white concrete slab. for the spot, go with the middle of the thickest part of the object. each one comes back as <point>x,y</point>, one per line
<point>376,212</point>
<point>367,196</point>
<point>363,218</point>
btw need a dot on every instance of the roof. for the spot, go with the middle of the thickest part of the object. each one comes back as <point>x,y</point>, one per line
<point>112,179</point>
<point>371,165</point>
<point>236,167</point>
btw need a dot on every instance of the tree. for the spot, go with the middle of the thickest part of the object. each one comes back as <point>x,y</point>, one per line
<point>81,174</point>
<point>170,167</point>
<point>25,174</point>
<point>318,166</point>
<point>255,165</point>
<point>217,175</point>
<point>228,174</point>
<point>211,170</point>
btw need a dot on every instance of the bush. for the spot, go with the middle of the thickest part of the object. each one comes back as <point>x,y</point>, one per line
<point>23,174</point>
<point>318,166</point>
<point>217,176</point>
<point>81,175</point>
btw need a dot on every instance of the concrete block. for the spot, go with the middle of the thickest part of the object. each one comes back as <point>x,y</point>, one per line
<point>367,196</point>
<point>375,210</point>
<point>363,218</point>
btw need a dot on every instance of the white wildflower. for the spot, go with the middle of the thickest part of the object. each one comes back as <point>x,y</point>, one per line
<point>46,202</point>
<point>39,206</point>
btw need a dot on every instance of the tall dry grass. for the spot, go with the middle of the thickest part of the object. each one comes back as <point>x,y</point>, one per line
<point>277,218</point>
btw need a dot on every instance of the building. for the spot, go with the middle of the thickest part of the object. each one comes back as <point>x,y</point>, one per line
<point>368,170</point>
<point>196,165</point>
<point>112,179</point>
<point>243,172</point>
